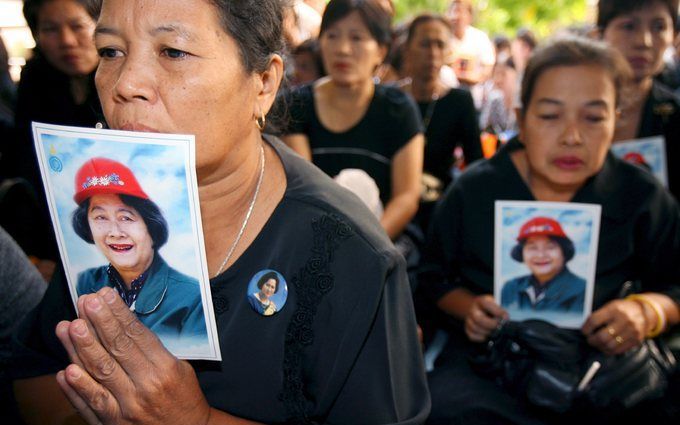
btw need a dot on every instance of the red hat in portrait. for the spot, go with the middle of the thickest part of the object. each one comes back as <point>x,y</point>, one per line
<point>99,176</point>
<point>541,226</point>
<point>635,158</point>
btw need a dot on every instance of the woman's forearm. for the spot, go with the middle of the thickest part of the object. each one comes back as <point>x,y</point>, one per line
<point>398,212</point>
<point>456,303</point>
<point>41,402</point>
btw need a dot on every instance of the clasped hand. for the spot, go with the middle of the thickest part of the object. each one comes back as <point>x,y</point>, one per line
<point>120,371</point>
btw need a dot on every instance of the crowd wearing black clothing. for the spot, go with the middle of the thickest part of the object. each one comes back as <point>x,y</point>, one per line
<point>452,269</point>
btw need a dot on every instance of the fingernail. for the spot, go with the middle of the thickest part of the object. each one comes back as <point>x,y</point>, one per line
<point>94,304</point>
<point>74,373</point>
<point>80,328</point>
<point>109,296</point>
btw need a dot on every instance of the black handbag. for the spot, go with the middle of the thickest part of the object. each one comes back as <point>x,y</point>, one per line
<point>557,369</point>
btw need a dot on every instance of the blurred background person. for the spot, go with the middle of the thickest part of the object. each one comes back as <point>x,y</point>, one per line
<point>449,116</point>
<point>642,31</point>
<point>498,110</point>
<point>346,121</point>
<point>307,63</point>
<point>56,87</point>
<point>521,48</point>
<point>472,53</point>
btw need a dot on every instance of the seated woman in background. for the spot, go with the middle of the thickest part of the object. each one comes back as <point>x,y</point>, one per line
<point>569,95</point>
<point>346,121</point>
<point>642,31</point>
<point>449,115</point>
<point>56,87</point>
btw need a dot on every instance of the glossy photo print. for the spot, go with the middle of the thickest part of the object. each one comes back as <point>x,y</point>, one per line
<point>648,153</point>
<point>126,215</point>
<point>545,259</point>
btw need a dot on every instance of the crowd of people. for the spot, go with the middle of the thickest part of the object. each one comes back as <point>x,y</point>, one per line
<point>361,161</point>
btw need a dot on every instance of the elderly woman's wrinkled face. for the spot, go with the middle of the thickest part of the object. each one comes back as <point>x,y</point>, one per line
<point>568,126</point>
<point>268,288</point>
<point>120,234</point>
<point>169,66</point>
<point>543,256</point>
<point>65,37</point>
<point>642,36</point>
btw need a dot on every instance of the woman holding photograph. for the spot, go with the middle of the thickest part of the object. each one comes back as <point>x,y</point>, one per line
<point>643,31</point>
<point>569,96</point>
<point>347,333</point>
<point>545,249</point>
<point>115,214</point>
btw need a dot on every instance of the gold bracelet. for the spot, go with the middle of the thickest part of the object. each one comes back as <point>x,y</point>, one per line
<point>660,314</point>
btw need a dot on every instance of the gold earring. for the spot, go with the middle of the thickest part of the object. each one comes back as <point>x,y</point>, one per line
<point>261,121</point>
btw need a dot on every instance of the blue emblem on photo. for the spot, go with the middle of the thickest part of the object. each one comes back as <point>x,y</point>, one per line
<point>55,164</point>
<point>267,292</point>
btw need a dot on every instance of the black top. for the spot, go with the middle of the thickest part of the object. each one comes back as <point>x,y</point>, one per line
<point>390,122</point>
<point>44,95</point>
<point>452,122</point>
<point>639,229</point>
<point>661,116</point>
<point>343,349</point>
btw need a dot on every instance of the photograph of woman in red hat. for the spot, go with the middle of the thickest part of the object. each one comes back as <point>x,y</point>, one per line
<point>117,216</point>
<point>545,249</point>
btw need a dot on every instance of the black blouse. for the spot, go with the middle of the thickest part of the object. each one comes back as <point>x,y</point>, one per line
<point>450,121</point>
<point>391,121</point>
<point>661,116</point>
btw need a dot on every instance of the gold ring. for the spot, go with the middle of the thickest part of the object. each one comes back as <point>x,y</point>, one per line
<point>618,339</point>
<point>611,331</point>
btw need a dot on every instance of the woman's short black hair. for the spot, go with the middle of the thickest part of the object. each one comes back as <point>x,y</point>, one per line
<point>32,10</point>
<point>565,244</point>
<point>607,10</point>
<point>376,19</point>
<point>423,19</point>
<point>265,277</point>
<point>149,211</point>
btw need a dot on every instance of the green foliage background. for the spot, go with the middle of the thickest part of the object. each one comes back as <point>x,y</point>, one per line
<point>544,17</point>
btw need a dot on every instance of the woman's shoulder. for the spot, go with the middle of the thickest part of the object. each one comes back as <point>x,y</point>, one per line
<point>456,96</point>
<point>92,280</point>
<point>388,94</point>
<point>621,177</point>
<point>311,194</point>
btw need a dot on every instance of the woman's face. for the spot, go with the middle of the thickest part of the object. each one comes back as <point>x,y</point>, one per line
<point>504,77</point>
<point>268,288</point>
<point>543,256</point>
<point>642,36</point>
<point>65,37</point>
<point>169,67</point>
<point>427,49</point>
<point>568,125</point>
<point>350,53</point>
<point>120,234</point>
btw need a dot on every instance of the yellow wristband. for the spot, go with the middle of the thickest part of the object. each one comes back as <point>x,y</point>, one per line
<point>660,315</point>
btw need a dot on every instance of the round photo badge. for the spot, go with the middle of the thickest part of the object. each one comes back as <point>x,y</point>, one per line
<point>267,292</point>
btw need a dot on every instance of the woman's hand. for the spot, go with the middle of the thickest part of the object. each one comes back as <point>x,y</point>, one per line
<point>121,373</point>
<point>483,317</point>
<point>616,327</point>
